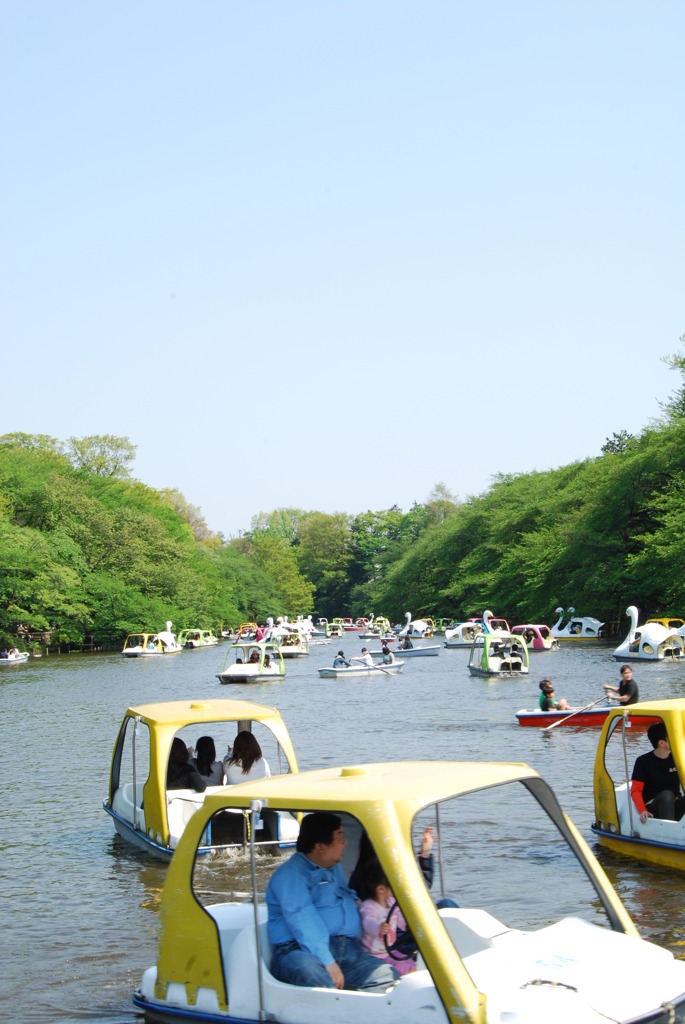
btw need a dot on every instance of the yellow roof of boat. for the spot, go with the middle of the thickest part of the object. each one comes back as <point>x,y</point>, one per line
<point>185,712</point>
<point>665,708</point>
<point>365,787</point>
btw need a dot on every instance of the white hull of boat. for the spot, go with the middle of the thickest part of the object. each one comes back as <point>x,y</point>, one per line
<point>567,957</point>
<point>17,659</point>
<point>430,651</point>
<point>361,671</point>
<point>242,674</point>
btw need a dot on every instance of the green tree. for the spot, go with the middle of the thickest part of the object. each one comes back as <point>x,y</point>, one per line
<point>324,555</point>
<point>102,454</point>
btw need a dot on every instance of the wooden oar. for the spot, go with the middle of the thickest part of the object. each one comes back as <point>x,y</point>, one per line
<point>578,712</point>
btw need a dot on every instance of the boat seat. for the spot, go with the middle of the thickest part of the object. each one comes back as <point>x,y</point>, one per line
<point>472,930</point>
<point>181,806</point>
<point>123,805</point>
<point>284,1001</point>
<point>657,830</point>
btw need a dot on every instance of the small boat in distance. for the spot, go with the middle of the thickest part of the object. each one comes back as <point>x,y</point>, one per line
<point>463,633</point>
<point>14,657</point>
<point>143,645</point>
<point>537,637</point>
<point>359,671</point>
<point>429,651</point>
<point>492,625</point>
<point>151,817</point>
<point>578,627</point>
<point>498,654</point>
<point>651,642</point>
<point>197,638</point>
<point>252,662</point>
<point>416,627</point>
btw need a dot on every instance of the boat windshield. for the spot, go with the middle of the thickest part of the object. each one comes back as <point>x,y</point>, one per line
<point>500,851</point>
<point>624,746</point>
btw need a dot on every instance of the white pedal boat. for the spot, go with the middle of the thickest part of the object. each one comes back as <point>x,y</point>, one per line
<point>151,817</point>
<point>651,642</point>
<point>518,955</point>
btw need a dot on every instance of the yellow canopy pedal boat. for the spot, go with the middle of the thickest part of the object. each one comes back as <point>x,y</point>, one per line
<point>617,822</point>
<point>516,950</point>
<point>152,817</point>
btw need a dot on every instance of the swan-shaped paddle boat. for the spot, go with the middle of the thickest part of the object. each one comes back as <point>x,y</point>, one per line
<point>143,645</point>
<point>507,953</point>
<point>491,625</point>
<point>578,627</point>
<point>463,633</point>
<point>651,642</point>
<point>291,638</point>
<point>417,627</point>
<point>252,663</point>
<point>191,638</point>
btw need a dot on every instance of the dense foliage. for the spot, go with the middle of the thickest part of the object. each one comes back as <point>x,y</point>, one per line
<point>88,553</point>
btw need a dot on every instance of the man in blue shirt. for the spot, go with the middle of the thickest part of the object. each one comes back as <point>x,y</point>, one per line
<point>314,923</point>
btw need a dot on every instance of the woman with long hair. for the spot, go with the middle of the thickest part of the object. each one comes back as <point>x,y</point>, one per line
<point>246,760</point>
<point>211,770</point>
<point>181,774</point>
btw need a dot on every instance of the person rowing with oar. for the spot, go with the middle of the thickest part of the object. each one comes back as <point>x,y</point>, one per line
<point>365,658</point>
<point>626,692</point>
<point>547,700</point>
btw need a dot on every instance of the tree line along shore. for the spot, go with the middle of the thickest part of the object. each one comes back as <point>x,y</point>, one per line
<point>89,554</point>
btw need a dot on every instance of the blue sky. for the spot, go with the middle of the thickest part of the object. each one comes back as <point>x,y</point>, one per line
<point>325,255</point>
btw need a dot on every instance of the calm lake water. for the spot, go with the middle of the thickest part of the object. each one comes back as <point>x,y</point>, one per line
<point>80,908</point>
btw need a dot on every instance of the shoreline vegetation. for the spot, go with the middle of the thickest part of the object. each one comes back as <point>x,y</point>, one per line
<point>88,554</point>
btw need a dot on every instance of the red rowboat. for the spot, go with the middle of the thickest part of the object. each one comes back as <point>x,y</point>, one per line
<point>579,719</point>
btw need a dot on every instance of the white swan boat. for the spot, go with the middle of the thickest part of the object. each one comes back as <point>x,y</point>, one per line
<point>463,634</point>
<point>495,626</point>
<point>416,627</point>
<point>144,645</point>
<point>14,657</point>
<point>512,952</point>
<point>359,671</point>
<point>651,642</point>
<point>578,627</point>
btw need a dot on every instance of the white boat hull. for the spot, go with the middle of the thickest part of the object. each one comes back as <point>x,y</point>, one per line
<point>556,972</point>
<point>431,651</point>
<point>18,659</point>
<point>242,674</point>
<point>361,672</point>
